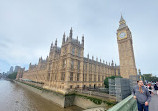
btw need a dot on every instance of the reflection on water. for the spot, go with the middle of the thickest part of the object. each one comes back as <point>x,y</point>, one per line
<point>16,98</point>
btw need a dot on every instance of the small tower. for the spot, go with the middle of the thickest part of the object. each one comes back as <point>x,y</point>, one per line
<point>70,35</point>
<point>56,43</point>
<point>39,60</point>
<point>30,65</point>
<point>83,40</point>
<point>63,38</point>
<point>88,56</point>
<point>112,64</point>
<point>47,59</point>
<point>77,38</point>
<point>51,45</point>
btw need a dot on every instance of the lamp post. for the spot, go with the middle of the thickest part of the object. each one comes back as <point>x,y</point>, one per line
<point>140,77</point>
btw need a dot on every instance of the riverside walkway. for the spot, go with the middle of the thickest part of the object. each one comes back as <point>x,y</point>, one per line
<point>153,106</point>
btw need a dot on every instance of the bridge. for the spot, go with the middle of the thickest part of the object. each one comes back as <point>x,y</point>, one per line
<point>129,104</point>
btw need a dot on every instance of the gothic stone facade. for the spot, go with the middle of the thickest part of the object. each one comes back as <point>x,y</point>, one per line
<point>66,67</point>
<point>20,72</point>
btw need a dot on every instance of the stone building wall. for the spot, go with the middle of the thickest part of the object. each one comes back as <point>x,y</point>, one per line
<point>66,67</point>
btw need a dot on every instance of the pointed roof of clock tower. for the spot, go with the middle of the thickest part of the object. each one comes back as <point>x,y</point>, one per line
<point>121,19</point>
<point>122,23</point>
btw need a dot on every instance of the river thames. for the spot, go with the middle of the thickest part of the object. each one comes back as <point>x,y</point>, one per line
<point>16,98</point>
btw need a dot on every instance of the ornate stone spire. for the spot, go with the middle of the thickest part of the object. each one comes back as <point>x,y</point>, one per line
<point>122,22</point>
<point>70,35</point>
<point>63,38</point>
<point>112,64</point>
<point>83,40</point>
<point>51,45</point>
<point>97,59</point>
<point>77,38</point>
<point>56,42</point>
<point>88,55</point>
<point>47,58</point>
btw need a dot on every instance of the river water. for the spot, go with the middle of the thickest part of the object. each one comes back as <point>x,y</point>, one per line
<point>16,98</point>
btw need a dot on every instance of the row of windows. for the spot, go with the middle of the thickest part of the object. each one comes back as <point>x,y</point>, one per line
<point>72,64</point>
<point>100,78</point>
<point>72,76</point>
<point>85,86</point>
<point>78,51</point>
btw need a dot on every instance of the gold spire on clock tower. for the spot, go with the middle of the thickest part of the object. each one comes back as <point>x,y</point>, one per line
<point>125,47</point>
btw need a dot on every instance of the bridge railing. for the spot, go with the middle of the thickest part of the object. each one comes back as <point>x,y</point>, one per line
<point>128,104</point>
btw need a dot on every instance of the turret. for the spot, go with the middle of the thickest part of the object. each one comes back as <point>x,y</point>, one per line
<point>30,65</point>
<point>88,56</point>
<point>112,64</point>
<point>70,35</point>
<point>97,59</point>
<point>47,58</point>
<point>51,45</point>
<point>39,60</point>
<point>83,40</point>
<point>63,39</point>
<point>77,38</point>
<point>56,43</point>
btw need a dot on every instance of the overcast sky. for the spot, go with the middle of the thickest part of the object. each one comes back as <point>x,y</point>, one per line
<point>28,27</point>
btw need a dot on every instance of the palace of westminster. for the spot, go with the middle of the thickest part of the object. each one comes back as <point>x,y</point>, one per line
<point>66,67</point>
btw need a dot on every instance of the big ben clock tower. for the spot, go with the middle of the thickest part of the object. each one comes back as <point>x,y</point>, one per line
<point>126,53</point>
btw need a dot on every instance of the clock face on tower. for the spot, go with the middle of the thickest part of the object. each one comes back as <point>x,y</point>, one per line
<point>122,35</point>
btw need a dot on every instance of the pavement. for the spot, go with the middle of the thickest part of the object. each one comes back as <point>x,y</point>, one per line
<point>153,105</point>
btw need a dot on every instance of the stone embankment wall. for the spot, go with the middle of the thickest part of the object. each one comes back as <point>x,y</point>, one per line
<point>81,100</point>
<point>56,98</point>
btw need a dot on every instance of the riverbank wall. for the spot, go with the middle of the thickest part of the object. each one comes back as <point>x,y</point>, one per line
<point>78,99</point>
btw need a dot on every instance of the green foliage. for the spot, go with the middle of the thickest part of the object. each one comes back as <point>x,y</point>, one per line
<point>12,76</point>
<point>96,100</point>
<point>109,103</point>
<point>106,81</point>
<point>149,77</point>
